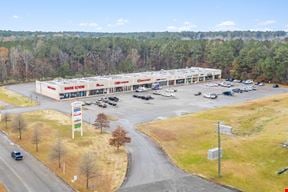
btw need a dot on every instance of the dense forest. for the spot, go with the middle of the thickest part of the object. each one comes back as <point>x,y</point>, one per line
<point>25,59</point>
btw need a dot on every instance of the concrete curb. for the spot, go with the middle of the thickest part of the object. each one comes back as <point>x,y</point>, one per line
<point>127,170</point>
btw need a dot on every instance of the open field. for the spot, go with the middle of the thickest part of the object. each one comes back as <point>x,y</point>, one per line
<point>15,99</point>
<point>111,165</point>
<point>252,156</point>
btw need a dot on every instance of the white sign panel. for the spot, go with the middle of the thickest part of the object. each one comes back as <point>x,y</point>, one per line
<point>225,129</point>
<point>213,153</point>
<point>76,117</point>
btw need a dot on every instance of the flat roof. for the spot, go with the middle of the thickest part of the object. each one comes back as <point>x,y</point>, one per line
<point>162,73</point>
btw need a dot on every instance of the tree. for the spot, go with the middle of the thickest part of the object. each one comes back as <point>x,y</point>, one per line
<point>58,151</point>
<point>101,121</point>
<point>88,167</point>
<point>18,125</point>
<point>5,117</point>
<point>36,138</point>
<point>4,54</point>
<point>119,138</point>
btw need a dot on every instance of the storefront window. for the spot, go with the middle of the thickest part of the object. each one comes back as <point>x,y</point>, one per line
<point>180,81</point>
<point>72,95</point>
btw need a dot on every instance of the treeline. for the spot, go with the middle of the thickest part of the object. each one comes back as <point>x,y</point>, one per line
<point>40,58</point>
<point>186,35</point>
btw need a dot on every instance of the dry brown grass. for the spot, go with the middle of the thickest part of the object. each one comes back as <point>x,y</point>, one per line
<point>252,156</point>
<point>110,163</point>
<point>13,98</point>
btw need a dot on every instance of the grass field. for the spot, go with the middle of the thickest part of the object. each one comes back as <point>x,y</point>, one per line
<point>111,165</point>
<point>251,157</point>
<point>13,98</point>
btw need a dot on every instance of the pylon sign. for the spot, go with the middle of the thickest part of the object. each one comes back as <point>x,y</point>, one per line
<point>76,116</point>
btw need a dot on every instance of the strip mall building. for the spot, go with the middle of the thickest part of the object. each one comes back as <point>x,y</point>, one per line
<point>62,89</point>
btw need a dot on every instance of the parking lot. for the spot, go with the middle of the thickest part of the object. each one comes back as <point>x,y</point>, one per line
<point>183,101</point>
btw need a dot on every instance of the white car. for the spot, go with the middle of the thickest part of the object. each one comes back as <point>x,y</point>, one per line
<point>249,81</point>
<point>210,95</point>
<point>226,84</point>
<point>158,92</point>
<point>141,89</point>
<point>170,90</point>
<point>236,81</point>
<point>167,94</point>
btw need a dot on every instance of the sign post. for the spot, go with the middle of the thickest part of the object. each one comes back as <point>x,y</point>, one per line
<point>219,150</point>
<point>76,116</point>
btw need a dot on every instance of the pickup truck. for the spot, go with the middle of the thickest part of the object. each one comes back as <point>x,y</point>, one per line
<point>17,155</point>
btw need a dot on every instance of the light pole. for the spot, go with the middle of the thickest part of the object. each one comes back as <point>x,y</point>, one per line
<point>219,151</point>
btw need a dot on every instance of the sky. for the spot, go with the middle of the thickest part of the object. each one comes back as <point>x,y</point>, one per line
<point>143,15</point>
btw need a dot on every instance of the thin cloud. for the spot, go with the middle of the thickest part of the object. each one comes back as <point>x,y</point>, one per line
<point>15,17</point>
<point>226,25</point>
<point>90,25</point>
<point>118,23</point>
<point>121,22</point>
<point>266,22</point>
<point>186,26</point>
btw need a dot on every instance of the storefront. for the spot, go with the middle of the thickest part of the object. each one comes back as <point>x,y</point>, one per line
<point>61,89</point>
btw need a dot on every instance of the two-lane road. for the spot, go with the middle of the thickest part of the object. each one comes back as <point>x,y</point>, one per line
<point>28,175</point>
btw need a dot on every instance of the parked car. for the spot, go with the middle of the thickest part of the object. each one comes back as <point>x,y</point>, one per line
<point>116,99</point>
<point>156,86</point>
<point>165,94</point>
<point>17,155</point>
<point>237,81</point>
<point>225,84</point>
<point>230,79</point>
<point>157,92</point>
<point>259,83</point>
<point>170,90</point>
<point>88,102</point>
<point>237,90</point>
<point>112,103</point>
<point>141,89</point>
<point>210,95</point>
<point>149,97</point>
<point>198,93</point>
<point>228,93</point>
<point>103,105</point>
<point>249,81</point>
<point>275,86</point>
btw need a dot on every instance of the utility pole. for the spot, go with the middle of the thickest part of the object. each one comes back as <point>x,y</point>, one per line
<point>219,151</point>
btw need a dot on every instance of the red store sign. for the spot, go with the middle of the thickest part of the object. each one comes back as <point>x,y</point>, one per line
<point>142,80</point>
<point>120,82</point>
<point>49,87</point>
<point>74,87</point>
<point>99,85</point>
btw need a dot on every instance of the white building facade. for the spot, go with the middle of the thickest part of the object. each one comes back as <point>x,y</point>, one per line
<point>63,89</point>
